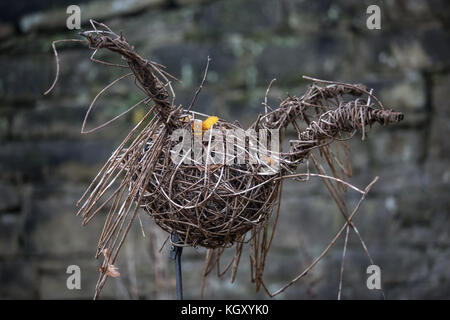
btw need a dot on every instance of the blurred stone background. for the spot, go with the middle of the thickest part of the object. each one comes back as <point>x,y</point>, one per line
<point>45,164</point>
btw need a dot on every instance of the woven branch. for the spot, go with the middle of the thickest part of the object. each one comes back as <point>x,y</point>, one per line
<point>350,117</point>
<point>143,70</point>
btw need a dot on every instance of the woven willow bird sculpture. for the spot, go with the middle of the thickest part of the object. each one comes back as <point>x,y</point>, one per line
<point>207,180</point>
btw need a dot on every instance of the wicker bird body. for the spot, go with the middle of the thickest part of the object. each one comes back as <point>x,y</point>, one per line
<point>208,204</point>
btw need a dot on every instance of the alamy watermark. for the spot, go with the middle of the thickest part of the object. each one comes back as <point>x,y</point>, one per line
<point>73,21</point>
<point>374,20</point>
<point>374,280</point>
<point>74,280</point>
<point>227,147</point>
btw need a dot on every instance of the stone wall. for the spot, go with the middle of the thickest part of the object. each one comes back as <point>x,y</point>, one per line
<point>45,163</point>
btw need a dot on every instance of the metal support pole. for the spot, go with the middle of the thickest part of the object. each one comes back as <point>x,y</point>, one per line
<point>175,254</point>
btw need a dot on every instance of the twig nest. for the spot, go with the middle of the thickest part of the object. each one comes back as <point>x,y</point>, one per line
<point>207,203</point>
